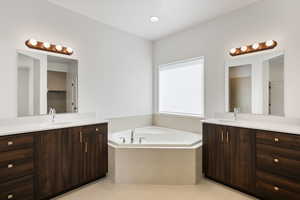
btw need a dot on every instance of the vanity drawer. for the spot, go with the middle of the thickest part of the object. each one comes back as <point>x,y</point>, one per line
<point>276,187</point>
<point>102,128</point>
<point>278,139</point>
<point>279,165</point>
<point>97,128</point>
<point>15,169</point>
<point>281,161</point>
<point>18,189</point>
<point>21,154</point>
<point>15,142</point>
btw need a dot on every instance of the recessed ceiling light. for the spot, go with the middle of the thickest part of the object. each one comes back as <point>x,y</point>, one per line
<point>154,19</point>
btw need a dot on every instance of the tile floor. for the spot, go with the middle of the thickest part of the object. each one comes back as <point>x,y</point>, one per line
<point>106,190</point>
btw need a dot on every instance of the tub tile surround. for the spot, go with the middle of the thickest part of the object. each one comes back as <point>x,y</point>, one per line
<point>43,123</point>
<point>125,123</point>
<point>180,122</point>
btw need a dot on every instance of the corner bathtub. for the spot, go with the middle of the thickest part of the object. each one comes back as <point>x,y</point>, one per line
<point>161,156</point>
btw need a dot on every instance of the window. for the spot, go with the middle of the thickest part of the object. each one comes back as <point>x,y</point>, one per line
<point>181,88</point>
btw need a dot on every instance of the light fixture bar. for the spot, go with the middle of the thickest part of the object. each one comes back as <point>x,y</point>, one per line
<point>46,46</point>
<point>262,46</point>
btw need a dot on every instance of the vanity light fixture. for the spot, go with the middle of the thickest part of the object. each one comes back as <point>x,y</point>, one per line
<point>46,46</point>
<point>270,43</point>
<point>69,50</point>
<point>32,42</point>
<point>244,48</point>
<point>255,46</point>
<point>262,46</point>
<point>233,50</point>
<point>58,47</point>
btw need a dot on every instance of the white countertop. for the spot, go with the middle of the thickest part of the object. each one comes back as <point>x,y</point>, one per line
<point>260,125</point>
<point>44,126</point>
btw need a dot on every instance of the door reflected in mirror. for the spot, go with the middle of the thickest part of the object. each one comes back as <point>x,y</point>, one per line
<point>240,88</point>
<point>46,82</point>
<point>273,75</point>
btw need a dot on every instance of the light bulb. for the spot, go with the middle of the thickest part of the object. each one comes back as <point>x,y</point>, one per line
<point>244,48</point>
<point>233,50</point>
<point>154,19</point>
<point>58,47</point>
<point>46,45</point>
<point>255,46</point>
<point>270,43</point>
<point>69,50</point>
<point>33,42</point>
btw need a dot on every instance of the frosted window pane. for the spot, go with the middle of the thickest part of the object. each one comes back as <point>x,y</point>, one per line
<point>181,88</point>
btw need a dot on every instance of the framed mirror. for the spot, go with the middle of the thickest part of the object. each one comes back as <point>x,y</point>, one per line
<point>44,82</point>
<point>255,84</point>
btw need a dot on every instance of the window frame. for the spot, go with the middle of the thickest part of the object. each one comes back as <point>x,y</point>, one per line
<point>181,62</point>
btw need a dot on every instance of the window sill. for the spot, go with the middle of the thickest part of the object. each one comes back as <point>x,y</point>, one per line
<point>183,115</point>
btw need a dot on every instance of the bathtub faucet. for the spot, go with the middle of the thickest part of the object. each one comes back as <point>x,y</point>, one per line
<point>132,136</point>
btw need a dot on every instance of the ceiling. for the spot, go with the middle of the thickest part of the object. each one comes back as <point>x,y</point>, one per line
<point>133,15</point>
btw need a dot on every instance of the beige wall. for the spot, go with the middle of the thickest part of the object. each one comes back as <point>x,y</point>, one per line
<point>185,123</point>
<point>125,123</point>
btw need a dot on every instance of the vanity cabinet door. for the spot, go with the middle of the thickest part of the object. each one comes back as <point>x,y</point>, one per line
<point>58,161</point>
<point>95,152</point>
<point>229,156</point>
<point>75,146</point>
<point>214,164</point>
<point>240,148</point>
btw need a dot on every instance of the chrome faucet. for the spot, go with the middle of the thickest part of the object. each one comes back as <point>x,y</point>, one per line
<point>132,136</point>
<point>235,114</point>
<point>52,114</point>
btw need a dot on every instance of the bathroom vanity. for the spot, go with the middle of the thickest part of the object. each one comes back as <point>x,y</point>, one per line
<point>261,162</point>
<point>43,164</point>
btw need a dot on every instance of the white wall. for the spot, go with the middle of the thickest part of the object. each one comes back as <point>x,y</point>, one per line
<point>268,19</point>
<point>115,68</point>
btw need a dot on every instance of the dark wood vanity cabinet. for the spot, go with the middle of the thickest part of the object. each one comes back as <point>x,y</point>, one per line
<point>45,164</point>
<point>68,158</point>
<point>17,167</point>
<point>95,152</point>
<point>277,165</point>
<point>229,155</point>
<point>262,163</point>
<point>58,160</point>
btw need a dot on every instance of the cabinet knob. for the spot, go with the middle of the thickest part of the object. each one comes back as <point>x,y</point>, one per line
<point>276,188</point>
<point>9,143</point>
<point>10,196</point>
<point>97,129</point>
<point>276,160</point>
<point>276,139</point>
<point>10,166</point>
